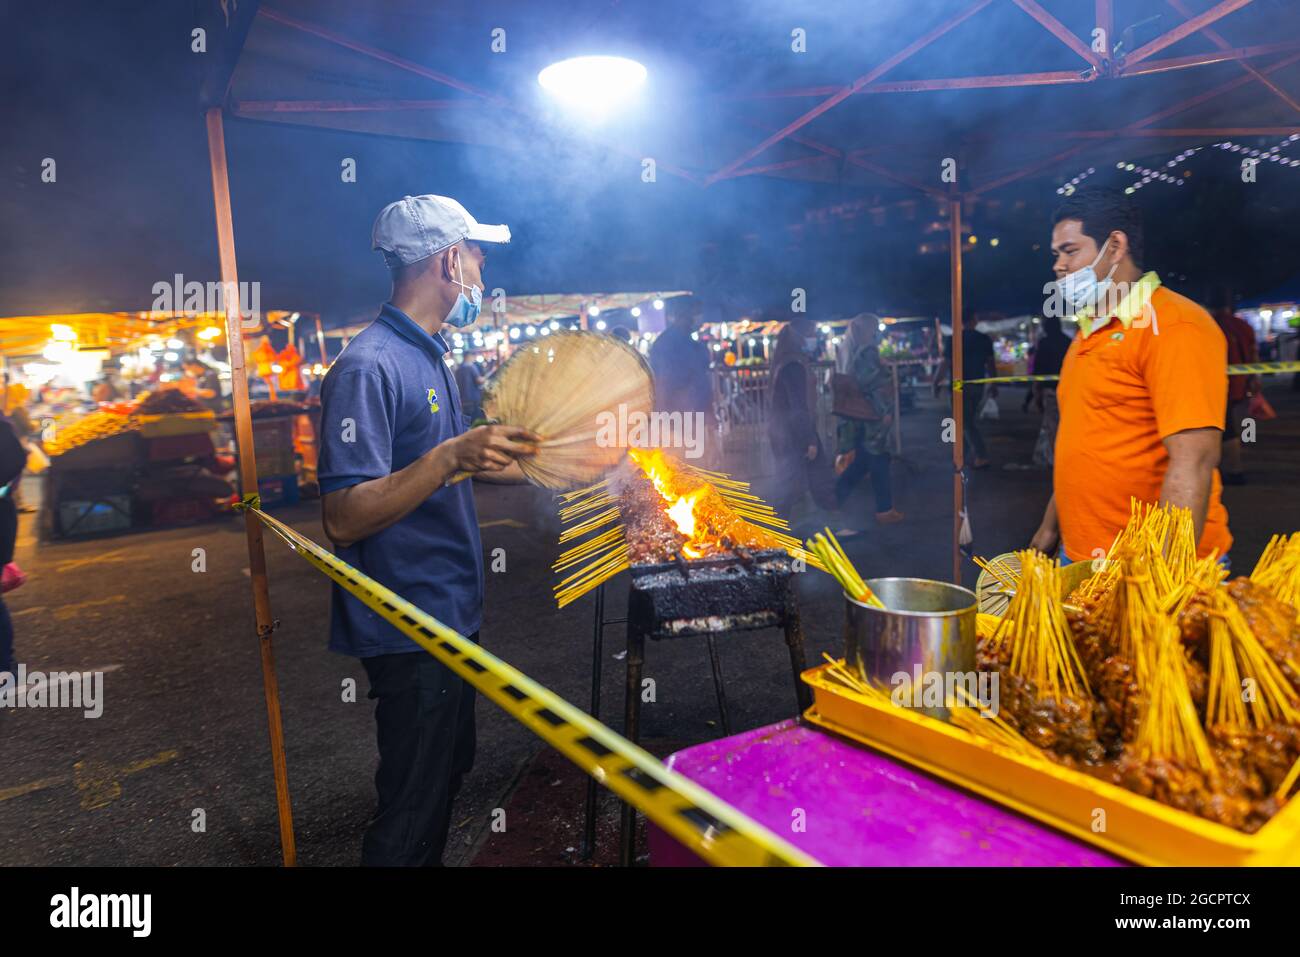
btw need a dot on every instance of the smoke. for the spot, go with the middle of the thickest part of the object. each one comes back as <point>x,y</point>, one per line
<point>135,203</point>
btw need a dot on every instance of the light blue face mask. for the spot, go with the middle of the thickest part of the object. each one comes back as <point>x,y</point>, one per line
<point>465,311</point>
<point>1082,289</point>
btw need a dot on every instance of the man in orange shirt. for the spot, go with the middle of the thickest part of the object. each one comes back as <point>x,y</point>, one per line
<point>1143,390</point>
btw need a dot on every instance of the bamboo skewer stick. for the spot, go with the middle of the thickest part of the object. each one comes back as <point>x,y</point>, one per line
<point>1288,782</point>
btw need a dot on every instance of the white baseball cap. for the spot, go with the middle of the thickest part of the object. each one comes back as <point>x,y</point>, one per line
<point>416,227</point>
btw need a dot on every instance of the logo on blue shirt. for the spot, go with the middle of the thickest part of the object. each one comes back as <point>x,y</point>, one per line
<point>433,400</point>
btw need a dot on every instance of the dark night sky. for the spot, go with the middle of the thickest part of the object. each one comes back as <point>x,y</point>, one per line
<point>110,90</point>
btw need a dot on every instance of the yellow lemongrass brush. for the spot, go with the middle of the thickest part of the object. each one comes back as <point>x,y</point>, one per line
<point>577,390</point>
<point>835,561</point>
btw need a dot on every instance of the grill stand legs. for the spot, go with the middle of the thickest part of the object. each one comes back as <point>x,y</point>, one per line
<point>632,707</point>
<point>718,689</point>
<point>597,661</point>
<point>631,731</point>
<point>798,663</point>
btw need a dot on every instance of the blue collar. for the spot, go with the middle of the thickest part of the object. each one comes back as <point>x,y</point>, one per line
<point>408,329</point>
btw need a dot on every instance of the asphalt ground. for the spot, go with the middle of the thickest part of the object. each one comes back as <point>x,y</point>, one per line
<point>177,770</point>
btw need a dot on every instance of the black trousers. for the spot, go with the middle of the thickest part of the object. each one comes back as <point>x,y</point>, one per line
<point>425,718</point>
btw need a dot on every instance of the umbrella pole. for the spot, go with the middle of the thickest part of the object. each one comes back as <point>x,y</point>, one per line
<point>958,449</point>
<point>248,476</point>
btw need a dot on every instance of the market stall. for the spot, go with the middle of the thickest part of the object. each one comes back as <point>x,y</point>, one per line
<point>121,410</point>
<point>1101,700</point>
<point>696,583</point>
<point>146,463</point>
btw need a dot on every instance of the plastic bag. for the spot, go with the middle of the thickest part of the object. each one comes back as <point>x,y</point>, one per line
<point>1261,410</point>
<point>989,408</point>
<point>11,577</point>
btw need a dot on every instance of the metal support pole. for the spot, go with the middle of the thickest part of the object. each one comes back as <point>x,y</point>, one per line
<point>958,450</point>
<point>320,341</point>
<point>248,476</point>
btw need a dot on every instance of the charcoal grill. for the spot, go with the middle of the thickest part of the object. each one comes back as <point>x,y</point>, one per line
<point>709,597</point>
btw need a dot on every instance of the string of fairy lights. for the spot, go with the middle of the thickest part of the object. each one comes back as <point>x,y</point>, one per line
<point>1166,173</point>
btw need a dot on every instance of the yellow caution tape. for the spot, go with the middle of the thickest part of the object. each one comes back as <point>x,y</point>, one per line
<point>1263,368</point>
<point>700,821</point>
<point>1245,368</point>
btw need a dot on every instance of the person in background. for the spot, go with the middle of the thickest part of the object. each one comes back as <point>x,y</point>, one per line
<point>105,389</point>
<point>977,362</point>
<point>469,380</point>
<point>801,463</point>
<point>21,421</point>
<point>680,366</point>
<point>13,458</point>
<point>864,444</point>
<point>1049,354</point>
<point>1031,394</point>
<point>202,383</point>
<point>1242,348</point>
<point>1143,391</point>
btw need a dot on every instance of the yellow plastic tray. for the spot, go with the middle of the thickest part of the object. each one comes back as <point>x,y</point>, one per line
<point>1136,828</point>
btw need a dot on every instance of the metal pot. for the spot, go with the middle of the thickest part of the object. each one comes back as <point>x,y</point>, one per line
<point>925,624</point>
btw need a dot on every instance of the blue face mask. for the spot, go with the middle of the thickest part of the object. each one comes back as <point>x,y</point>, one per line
<point>1082,289</point>
<point>465,311</point>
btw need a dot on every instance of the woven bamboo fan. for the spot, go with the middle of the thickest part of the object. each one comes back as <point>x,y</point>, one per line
<point>566,387</point>
<point>997,583</point>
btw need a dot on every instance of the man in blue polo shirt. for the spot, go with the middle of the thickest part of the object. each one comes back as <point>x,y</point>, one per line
<point>392,434</point>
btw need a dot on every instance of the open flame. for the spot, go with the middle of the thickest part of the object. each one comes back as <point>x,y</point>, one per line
<point>682,512</point>
<point>690,502</point>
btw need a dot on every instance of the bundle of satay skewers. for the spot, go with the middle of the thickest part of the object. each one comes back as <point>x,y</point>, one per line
<point>826,547</point>
<point>1157,674</point>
